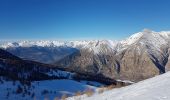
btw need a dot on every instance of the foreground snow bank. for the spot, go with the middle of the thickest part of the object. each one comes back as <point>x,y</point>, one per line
<point>157,88</point>
<point>40,90</point>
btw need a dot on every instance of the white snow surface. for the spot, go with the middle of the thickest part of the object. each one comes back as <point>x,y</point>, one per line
<point>55,88</point>
<point>156,88</point>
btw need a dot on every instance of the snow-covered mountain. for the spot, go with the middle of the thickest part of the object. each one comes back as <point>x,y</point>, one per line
<point>51,51</point>
<point>145,37</point>
<point>142,55</point>
<point>156,88</point>
<point>149,37</point>
<point>46,43</point>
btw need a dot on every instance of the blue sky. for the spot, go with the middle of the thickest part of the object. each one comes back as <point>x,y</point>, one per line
<point>81,19</point>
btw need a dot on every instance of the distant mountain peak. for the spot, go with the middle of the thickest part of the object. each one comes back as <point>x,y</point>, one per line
<point>147,36</point>
<point>146,30</point>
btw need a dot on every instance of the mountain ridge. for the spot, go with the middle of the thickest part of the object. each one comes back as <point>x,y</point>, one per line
<point>144,52</point>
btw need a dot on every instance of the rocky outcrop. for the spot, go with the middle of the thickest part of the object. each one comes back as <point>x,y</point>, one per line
<point>137,65</point>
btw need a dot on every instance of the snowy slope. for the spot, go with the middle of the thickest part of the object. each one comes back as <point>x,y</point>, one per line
<point>156,88</point>
<point>42,89</point>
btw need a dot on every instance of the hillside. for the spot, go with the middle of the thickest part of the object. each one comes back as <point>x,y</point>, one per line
<point>23,79</point>
<point>156,88</point>
<point>40,90</point>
